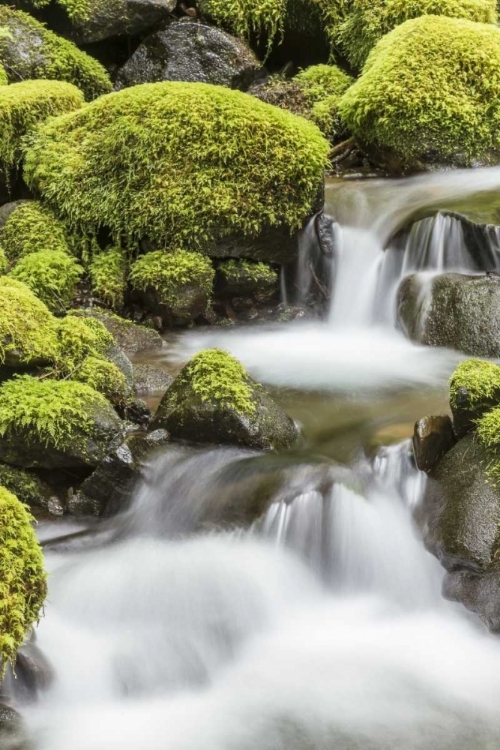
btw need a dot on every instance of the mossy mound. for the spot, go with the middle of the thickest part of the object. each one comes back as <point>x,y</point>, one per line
<point>474,390</point>
<point>23,586</point>
<point>213,400</point>
<point>52,275</point>
<point>55,424</point>
<point>179,163</point>
<point>104,377</point>
<point>247,18</point>
<point>31,227</point>
<point>239,278</point>
<point>27,328</point>
<point>429,93</point>
<point>26,485</point>
<point>108,271</point>
<point>369,20</point>
<point>129,336</point>
<point>28,50</point>
<point>24,105</point>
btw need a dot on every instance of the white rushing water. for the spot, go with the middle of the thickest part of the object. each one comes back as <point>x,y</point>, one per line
<point>319,625</point>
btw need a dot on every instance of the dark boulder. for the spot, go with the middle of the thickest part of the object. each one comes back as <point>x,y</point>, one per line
<point>432,438</point>
<point>193,52</point>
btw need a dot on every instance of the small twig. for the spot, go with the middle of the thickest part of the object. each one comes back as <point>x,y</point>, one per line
<point>342,146</point>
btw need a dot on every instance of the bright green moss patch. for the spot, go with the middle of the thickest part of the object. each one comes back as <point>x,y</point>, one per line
<point>481,379</point>
<point>29,50</point>
<point>321,81</point>
<point>24,105</point>
<point>27,486</point>
<point>430,92</point>
<point>23,586</point>
<point>50,274</point>
<point>82,10</point>
<point>215,376</point>
<point>488,431</point>
<point>79,338</point>
<point>369,20</point>
<point>170,273</point>
<point>27,328</point>
<point>181,163</point>
<point>3,76</point>
<point>54,412</point>
<point>102,376</point>
<point>30,228</point>
<point>108,274</point>
<point>248,17</point>
<point>243,270</point>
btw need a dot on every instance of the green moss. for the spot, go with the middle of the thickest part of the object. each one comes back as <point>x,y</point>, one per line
<point>170,273</point>
<point>369,20</point>
<point>32,51</point>
<point>244,270</point>
<point>180,163</point>
<point>430,91</point>
<point>108,274</point>
<point>488,431</point>
<point>50,274</point>
<point>79,338</point>
<point>102,376</point>
<point>321,81</point>
<point>3,76</point>
<point>27,328</point>
<point>28,487</point>
<point>23,586</point>
<point>215,376</point>
<point>30,228</point>
<point>54,412</point>
<point>4,263</point>
<point>82,10</point>
<point>246,18</point>
<point>480,378</point>
<point>24,105</point>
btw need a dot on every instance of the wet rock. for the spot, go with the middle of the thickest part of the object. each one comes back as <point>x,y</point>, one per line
<point>130,338</point>
<point>26,485</point>
<point>186,51</point>
<point>478,592</point>
<point>138,412</point>
<point>213,400</point>
<point>452,310</point>
<point>120,359</point>
<point>240,279</point>
<point>151,379</point>
<point>432,438</point>
<point>13,734</point>
<point>460,509</point>
<point>33,674</point>
<point>272,245</point>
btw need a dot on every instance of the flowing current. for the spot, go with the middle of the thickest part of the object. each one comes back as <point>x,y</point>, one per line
<point>250,602</point>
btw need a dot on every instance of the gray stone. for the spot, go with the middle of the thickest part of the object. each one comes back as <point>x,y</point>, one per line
<point>151,379</point>
<point>191,51</point>
<point>432,438</point>
<point>460,509</point>
<point>452,310</point>
<point>478,592</point>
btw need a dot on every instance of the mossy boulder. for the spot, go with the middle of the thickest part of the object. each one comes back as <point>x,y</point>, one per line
<point>23,584</point>
<point>30,227</point>
<point>25,485</point>
<point>242,278</point>
<point>28,50</point>
<point>128,336</point>
<point>108,274</point>
<point>52,275</point>
<point>429,94</point>
<point>192,52</point>
<point>369,20</point>
<point>24,105</point>
<point>452,310</point>
<point>27,328</point>
<point>183,164</point>
<point>55,424</point>
<point>213,400</point>
<point>177,285</point>
<point>474,390</point>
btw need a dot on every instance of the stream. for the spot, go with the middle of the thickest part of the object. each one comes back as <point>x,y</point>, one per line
<point>318,623</point>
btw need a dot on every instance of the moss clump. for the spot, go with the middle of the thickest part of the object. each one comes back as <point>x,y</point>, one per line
<point>102,376</point>
<point>488,431</point>
<point>321,81</point>
<point>369,20</point>
<point>24,105</point>
<point>170,273</point>
<point>247,18</point>
<point>430,92</point>
<point>52,412</point>
<point>27,328</point>
<point>23,586</point>
<point>236,271</point>
<point>79,11</point>
<point>3,76</point>
<point>79,338</point>
<point>481,380</point>
<point>29,50</point>
<point>215,376</point>
<point>184,163</point>
<point>108,274</point>
<point>32,227</point>
<point>50,274</point>
<point>28,487</point>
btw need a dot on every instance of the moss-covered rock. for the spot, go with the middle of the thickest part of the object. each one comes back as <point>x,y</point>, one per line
<point>29,227</point>
<point>23,584</point>
<point>108,274</point>
<point>24,105</point>
<point>26,485</point>
<point>474,390</point>
<point>213,400</point>
<point>176,285</point>
<point>239,278</point>
<point>29,50</point>
<point>131,338</point>
<point>55,424</point>
<point>52,275</point>
<point>247,18</point>
<point>182,164</point>
<point>369,20</point>
<point>429,93</point>
<point>27,328</point>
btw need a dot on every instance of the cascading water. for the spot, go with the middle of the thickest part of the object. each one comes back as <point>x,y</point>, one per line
<point>259,602</point>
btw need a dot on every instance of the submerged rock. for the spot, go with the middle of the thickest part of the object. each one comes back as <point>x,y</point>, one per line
<point>452,310</point>
<point>193,52</point>
<point>213,400</point>
<point>432,438</point>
